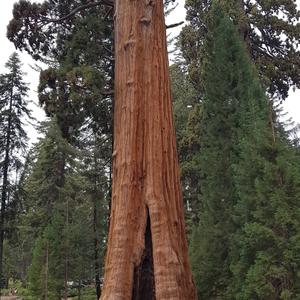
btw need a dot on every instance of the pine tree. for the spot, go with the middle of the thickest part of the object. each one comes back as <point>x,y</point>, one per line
<point>77,88</point>
<point>260,25</point>
<point>21,238</point>
<point>38,270</point>
<point>13,111</point>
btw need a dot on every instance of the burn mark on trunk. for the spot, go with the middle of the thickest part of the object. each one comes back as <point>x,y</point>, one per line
<point>143,277</point>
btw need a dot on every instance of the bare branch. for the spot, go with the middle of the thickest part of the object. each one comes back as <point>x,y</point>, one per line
<point>174,25</point>
<point>80,8</point>
<point>109,11</point>
<point>108,50</point>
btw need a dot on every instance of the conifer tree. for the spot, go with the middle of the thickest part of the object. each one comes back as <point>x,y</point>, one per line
<point>46,272</point>
<point>94,169</point>
<point>260,25</point>
<point>69,224</point>
<point>78,91</point>
<point>224,90</point>
<point>47,201</point>
<point>13,111</point>
<point>246,241</point>
<point>264,256</point>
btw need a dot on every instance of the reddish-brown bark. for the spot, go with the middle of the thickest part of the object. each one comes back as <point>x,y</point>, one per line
<point>147,256</point>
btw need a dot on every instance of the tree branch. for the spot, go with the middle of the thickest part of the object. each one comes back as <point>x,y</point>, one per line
<point>108,93</point>
<point>80,8</point>
<point>174,25</point>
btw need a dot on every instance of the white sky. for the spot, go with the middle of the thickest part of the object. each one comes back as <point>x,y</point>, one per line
<point>291,105</point>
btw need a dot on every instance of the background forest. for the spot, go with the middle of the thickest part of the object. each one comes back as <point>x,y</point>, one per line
<point>236,62</point>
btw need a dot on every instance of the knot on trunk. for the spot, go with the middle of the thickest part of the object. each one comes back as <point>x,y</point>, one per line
<point>145,21</point>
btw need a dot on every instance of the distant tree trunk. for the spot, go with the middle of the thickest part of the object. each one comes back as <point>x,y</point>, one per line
<point>5,182</point>
<point>66,254</point>
<point>147,256</point>
<point>46,270</point>
<point>79,290</point>
<point>96,246</point>
<point>96,200</point>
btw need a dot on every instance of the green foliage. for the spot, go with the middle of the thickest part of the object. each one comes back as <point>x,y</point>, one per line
<point>64,194</point>
<point>45,274</point>
<point>184,100</point>
<point>76,92</point>
<point>13,112</point>
<point>77,88</point>
<point>37,272</point>
<point>184,97</point>
<point>226,72</point>
<point>189,148</point>
<point>265,260</point>
<point>13,142</point>
<point>250,182</point>
<point>262,25</point>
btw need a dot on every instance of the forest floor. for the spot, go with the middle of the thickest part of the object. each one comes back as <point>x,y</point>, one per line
<point>19,298</point>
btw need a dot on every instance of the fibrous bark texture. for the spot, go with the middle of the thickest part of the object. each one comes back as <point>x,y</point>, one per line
<point>147,256</point>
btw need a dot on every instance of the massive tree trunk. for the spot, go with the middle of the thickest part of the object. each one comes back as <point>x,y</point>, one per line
<point>147,256</point>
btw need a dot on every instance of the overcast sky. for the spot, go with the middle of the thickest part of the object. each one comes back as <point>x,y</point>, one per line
<point>291,105</point>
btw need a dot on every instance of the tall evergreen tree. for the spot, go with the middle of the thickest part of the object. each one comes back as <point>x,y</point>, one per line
<point>46,272</point>
<point>260,25</point>
<point>264,257</point>
<point>13,111</point>
<point>225,77</point>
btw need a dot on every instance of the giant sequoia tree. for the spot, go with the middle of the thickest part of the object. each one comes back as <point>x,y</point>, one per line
<point>147,248</point>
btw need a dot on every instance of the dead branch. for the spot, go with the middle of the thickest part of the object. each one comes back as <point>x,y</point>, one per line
<point>174,25</point>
